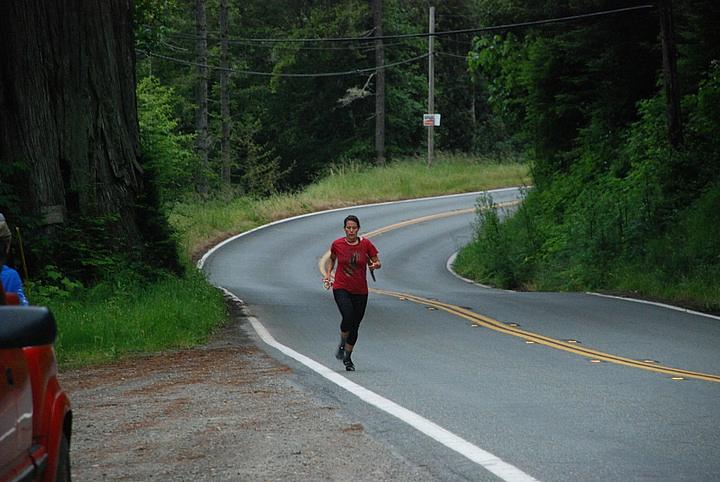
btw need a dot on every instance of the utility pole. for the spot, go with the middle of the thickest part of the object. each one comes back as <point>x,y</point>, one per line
<point>431,85</point>
<point>672,87</point>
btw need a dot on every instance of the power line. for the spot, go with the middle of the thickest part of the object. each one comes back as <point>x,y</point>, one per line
<point>494,28</point>
<point>250,43</point>
<point>447,54</point>
<point>272,74</point>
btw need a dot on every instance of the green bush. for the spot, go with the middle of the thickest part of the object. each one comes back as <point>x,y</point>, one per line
<point>126,315</point>
<point>639,217</point>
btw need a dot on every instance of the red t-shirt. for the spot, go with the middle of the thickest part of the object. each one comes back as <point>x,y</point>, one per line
<point>352,261</point>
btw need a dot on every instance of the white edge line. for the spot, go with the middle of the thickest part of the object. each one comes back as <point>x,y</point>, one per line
<point>449,264</point>
<point>209,253</point>
<point>663,305</point>
<point>472,452</point>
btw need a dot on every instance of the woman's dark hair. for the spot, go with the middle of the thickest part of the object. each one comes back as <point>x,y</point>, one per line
<point>351,218</point>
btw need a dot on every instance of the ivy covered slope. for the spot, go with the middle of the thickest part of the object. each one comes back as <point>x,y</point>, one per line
<point>615,206</point>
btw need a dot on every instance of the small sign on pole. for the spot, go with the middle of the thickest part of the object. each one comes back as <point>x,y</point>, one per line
<point>431,120</point>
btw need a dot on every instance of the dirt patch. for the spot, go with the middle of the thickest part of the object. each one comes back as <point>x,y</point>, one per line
<point>224,411</point>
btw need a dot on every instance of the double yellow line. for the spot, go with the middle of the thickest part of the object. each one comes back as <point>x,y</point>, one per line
<point>530,337</point>
<point>569,346</point>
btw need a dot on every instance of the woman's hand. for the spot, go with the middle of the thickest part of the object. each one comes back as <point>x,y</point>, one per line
<point>327,282</point>
<point>375,264</point>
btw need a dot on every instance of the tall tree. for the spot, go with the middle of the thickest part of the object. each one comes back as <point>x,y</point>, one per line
<point>455,91</point>
<point>224,95</point>
<point>379,84</point>
<point>670,74</point>
<point>201,96</point>
<point>68,111</point>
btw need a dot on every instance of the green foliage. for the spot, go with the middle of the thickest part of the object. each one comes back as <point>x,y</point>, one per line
<point>258,169</point>
<point>123,316</point>
<point>614,206</point>
<point>566,87</point>
<point>166,152</point>
<point>286,130</point>
<point>493,242</point>
<point>86,248</point>
<point>152,19</point>
<point>52,285</point>
<point>498,59</point>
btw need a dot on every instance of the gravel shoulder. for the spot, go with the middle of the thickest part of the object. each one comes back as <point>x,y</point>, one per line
<point>222,411</point>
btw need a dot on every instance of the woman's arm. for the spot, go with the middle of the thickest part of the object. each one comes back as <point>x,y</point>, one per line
<point>375,263</point>
<point>327,275</point>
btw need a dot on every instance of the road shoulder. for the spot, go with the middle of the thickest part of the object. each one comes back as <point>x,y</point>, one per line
<point>222,411</point>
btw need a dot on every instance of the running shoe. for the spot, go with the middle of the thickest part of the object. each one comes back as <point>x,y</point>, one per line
<point>340,353</point>
<point>349,365</point>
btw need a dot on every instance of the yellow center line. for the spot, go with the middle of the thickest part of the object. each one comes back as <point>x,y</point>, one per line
<point>496,325</point>
<point>528,336</point>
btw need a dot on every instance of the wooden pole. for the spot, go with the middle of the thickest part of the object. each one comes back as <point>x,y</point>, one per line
<point>22,253</point>
<point>431,86</point>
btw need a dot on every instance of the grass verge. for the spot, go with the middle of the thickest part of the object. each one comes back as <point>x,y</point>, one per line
<point>202,224</point>
<point>170,313</point>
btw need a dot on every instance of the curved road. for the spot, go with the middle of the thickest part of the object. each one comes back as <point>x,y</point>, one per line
<point>483,384</point>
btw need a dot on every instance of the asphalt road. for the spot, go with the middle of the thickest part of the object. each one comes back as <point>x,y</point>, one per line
<point>508,409</point>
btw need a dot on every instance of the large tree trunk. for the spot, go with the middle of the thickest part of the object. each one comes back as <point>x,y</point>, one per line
<point>68,109</point>
<point>224,94</point>
<point>379,85</point>
<point>670,74</point>
<point>201,116</point>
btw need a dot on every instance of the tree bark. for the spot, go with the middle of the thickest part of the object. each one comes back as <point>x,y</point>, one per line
<point>68,109</point>
<point>201,117</point>
<point>224,94</point>
<point>379,85</point>
<point>670,76</point>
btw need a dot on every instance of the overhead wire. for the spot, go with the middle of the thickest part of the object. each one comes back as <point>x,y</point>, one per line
<point>448,54</point>
<point>494,28</point>
<point>370,44</point>
<point>273,74</point>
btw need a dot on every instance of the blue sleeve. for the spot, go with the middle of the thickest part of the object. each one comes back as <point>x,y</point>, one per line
<point>12,284</point>
<point>21,295</point>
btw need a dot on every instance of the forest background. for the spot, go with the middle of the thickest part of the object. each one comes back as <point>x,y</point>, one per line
<point>243,119</point>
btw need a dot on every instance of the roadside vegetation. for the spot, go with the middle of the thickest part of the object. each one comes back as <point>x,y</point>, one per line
<point>624,201</point>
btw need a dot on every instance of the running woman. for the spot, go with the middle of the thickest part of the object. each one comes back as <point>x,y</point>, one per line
<point>353,255</point>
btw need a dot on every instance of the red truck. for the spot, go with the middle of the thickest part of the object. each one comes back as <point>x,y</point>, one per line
<point>35,412</point>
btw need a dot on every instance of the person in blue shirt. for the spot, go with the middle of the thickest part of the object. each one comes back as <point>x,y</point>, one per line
<point>10,278</point>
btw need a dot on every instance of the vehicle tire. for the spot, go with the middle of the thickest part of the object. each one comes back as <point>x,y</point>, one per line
<point>63,468</point>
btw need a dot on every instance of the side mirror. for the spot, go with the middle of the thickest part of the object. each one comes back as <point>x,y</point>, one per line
<point>22,326</point>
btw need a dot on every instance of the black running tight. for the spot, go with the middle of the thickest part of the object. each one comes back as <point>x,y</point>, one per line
<point>352,309</point>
